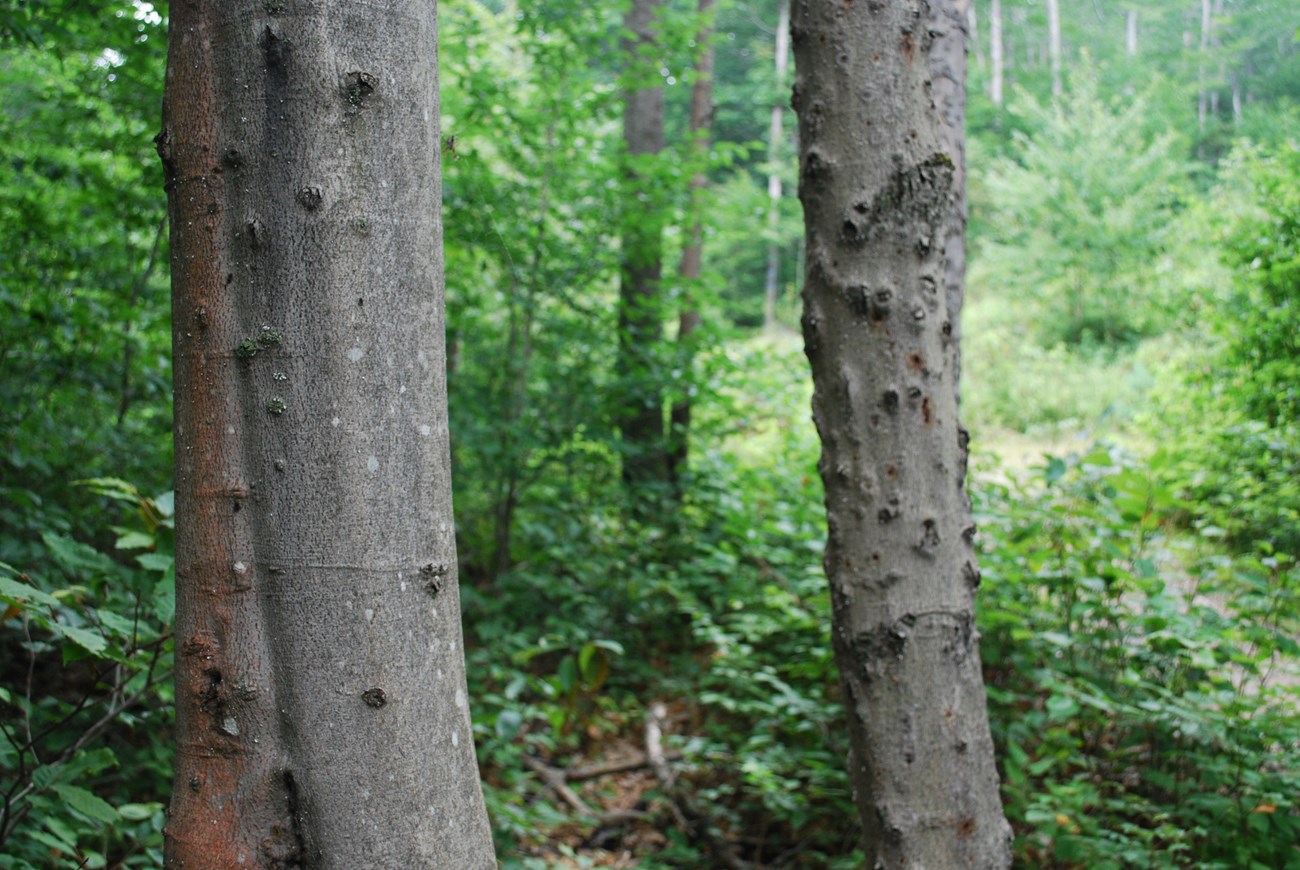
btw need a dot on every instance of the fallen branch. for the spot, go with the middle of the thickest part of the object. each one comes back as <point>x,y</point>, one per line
<point>690,817</point>
<point>596,771</point>
<point>554,779</point>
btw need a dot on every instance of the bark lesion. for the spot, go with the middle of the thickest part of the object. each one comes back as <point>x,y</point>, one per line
<point>921,191</point>
<point>880,650</point>
<point>284,847</point>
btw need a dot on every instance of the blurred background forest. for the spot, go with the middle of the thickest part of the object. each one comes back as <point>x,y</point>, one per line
<point>1132,384</point>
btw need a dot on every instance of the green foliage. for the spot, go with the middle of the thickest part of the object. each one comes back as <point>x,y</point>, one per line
<point>1241,467</point>
<point>1143,691</point>
<point>1135,663</point>
<point>84,691</point>
<point>1077,219</point>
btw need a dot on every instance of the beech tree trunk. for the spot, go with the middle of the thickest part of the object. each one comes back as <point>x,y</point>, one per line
<point>880,95</point>
<point>640,317</point>
<point>1131,31</point>
<point>322,719</point>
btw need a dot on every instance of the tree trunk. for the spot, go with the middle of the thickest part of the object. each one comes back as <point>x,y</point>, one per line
<point>322,719</point>
<point>1203,95</point>
<point>1054,45</point>
<point>882,182</point>
<point>972,22</point>
<point>1131,31</point>
<point>995,53</point>
<point>775,135</point>
<point>640,319</point>
<point>693,252</point>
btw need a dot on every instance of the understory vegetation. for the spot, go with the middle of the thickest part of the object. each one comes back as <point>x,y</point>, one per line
<point>1131,381</point>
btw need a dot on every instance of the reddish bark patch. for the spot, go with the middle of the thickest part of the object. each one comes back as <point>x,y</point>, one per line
<point>966,827</point>
<point>916,362</point>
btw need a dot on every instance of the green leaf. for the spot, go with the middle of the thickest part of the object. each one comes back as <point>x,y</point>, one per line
<point>160,562</point>
<point>134,540</point>
<point>138,812</point>
<point>16,592</point>
<point>86,802</point>
<point>164,597</point>
<point>75,557</point>
<point>508,724</point>
<point>91,641</point>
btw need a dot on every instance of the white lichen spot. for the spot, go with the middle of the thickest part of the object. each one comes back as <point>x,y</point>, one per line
<point>440,673</point>
<point>401,389</point>
<point>435,612</point>
<point>240,568</point>
<point>335,422</point>
<point>356,354</point>
<point>372,464</point>
<point>426,430</point>
<point>370,614</point>
<point>230,726</point>
<point>230,430</point>
<point>403,585</point>
<point>455,739</point>
<point>460,699</point>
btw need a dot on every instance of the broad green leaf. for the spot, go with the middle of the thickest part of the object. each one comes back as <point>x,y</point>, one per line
<point>91,641</point>
<point>86,802</point>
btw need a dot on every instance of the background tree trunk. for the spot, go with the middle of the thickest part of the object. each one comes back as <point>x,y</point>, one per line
<point>640,320</point>
<point>882,182</point>
<point>775,136</point>
<point>321,707</point>
<point>693,252</point>
<point>995,53</point>
<point>1054,45</point>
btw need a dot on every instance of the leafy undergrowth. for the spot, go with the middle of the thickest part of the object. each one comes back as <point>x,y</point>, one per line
<point>1138,677</point>
<point>1141,678</point>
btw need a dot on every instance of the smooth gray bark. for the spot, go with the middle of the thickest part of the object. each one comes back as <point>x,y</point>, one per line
<point>1131,31</point>
<point>322,719</point>
<point>881,102</point>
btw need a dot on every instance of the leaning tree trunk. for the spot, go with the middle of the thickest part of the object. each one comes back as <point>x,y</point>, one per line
<point>880,98</point>
<point>322,719</point>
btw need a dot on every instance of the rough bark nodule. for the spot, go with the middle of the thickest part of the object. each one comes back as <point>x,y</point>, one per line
<point>322,719</point>
<point>879,93</point>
